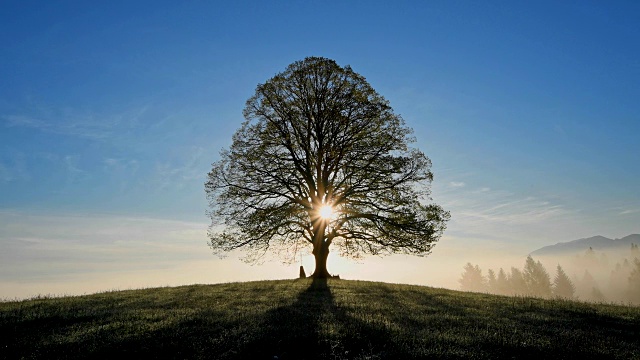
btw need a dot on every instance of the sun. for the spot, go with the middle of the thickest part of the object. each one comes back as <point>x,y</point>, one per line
<point>326,212</point>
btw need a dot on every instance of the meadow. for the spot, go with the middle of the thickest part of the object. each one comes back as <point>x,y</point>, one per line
<point>307,319</point>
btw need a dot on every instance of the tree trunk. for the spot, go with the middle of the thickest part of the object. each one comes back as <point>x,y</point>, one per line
<point>321,253</point>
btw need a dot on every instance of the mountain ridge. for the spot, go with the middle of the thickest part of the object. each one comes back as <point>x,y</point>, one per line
<point>597,242</point>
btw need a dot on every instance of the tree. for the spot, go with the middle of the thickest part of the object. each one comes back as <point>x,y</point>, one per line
<point>502,283</point>
<point>634,282</point>
<point>563,286</point>
<point>472,279</point>
<point>590,259</point>
<point>634,250</point>
<point>618,285</point>
<point>517,283</point>
<point>492,282</point>
<point>586,285</point>
<point>537,278</point>
<point>321,158</point>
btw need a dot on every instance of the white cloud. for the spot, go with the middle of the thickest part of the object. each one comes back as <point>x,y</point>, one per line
<point>122,168</point>
<point>629,211</point>
<point>512,219</point>
<point>76,254</point>
<point>457,184</point>
<point>99,239</point>
<point>182,173</point>
<point>74,172</point>
<point>25,121</point>
<point>79,123</point>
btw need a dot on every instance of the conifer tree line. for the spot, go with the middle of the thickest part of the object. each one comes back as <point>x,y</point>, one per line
<point>533,280</point>
<point>621,285</point>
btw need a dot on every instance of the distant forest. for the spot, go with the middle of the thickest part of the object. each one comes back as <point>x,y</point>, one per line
<point>595,276</point>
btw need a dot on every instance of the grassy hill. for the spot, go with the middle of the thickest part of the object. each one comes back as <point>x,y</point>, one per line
<point>298,319</point>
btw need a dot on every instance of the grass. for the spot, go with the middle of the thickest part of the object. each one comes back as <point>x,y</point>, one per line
<point>305,319</point>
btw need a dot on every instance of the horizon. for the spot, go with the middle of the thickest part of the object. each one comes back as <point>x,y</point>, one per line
<point>111,115</point>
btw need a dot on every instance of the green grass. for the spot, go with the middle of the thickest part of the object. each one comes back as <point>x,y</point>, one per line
<point>298,319</point>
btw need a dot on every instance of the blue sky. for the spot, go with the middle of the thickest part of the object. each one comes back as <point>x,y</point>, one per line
<point>111,114</point>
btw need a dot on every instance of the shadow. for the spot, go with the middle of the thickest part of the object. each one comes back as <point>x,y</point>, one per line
<point>316,319</point>
<point>314,327</point>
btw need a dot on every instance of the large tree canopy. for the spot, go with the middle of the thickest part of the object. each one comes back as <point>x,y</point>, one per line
<point>322,158</point>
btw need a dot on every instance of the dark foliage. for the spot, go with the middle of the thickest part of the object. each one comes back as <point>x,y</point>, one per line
<point>319,135</point>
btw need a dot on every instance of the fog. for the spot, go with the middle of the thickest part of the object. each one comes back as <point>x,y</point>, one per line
<point>597,275</point>
<point>74,255</point>
<point>78,271</point>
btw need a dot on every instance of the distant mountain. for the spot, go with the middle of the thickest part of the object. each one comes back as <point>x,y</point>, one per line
<point>595,242</point>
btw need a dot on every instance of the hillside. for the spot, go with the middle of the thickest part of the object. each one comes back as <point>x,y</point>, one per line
<point>298,319</point>
<point>595,242</point>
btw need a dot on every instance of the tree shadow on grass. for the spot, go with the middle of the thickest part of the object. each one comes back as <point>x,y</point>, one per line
<point>314,327</point>
<point>484,326</point>
<point>354,321</point>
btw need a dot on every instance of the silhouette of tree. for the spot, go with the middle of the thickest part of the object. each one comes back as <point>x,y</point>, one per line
<point>590,259</point>
<point>517,283</point>
<point>634,250</point>
<point>537,278</point>
<point>492,282</point>
<point>322,158</point>
<point>618,285</point>
<point>563,286</point>
<point>603,261</point>
<point>502,283</point>
<point>634,282</point>
<point>586,285</point>
<point>472,279</point>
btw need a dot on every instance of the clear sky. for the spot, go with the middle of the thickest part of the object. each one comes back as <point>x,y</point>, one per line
<point>111,115</point>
